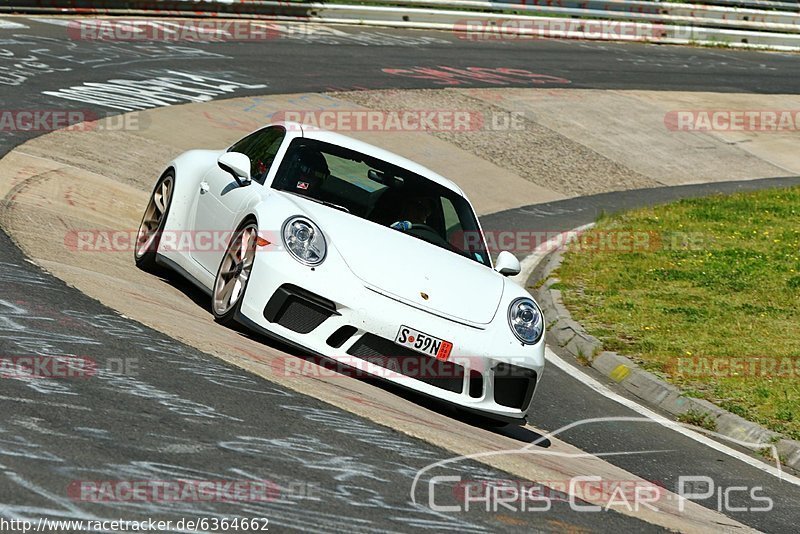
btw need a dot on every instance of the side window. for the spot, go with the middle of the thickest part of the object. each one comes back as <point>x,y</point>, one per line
<point>261,147</point>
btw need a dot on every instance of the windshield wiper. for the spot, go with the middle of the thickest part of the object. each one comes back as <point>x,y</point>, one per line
<point>319,201</point>
<point>332,205</point>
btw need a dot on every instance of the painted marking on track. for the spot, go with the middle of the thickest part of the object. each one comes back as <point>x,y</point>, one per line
<point>174,87</point>
<point>528,265</point>
<point>8,25</point>
<point>445,75</point>
<point>46,403</point>
<point>54,22</point>
<point>596,386</point>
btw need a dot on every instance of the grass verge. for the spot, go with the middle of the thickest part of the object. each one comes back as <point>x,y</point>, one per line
<point>704,293</point>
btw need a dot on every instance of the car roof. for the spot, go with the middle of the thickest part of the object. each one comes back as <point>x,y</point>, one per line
<point>313,132</point>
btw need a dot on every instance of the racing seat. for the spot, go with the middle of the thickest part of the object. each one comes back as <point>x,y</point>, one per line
<point>387,208</point>
<point>311,171</point>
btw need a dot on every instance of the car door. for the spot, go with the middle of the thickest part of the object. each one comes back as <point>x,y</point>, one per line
<point>221,198</point>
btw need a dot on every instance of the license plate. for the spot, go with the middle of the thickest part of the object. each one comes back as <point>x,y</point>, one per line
<point>422,342</point>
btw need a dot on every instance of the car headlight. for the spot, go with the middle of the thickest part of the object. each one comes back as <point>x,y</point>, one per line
<point>525,320</point>
<point>304,240</point>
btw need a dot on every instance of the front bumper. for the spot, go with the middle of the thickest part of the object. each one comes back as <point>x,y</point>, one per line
<point>330,312</point>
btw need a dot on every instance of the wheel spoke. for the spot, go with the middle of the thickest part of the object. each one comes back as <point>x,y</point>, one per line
<point>243,245</point>
<point>153,217</point>
<point>225,294</point>
<point>234,271</point>
<point>158,201</point>
<point>165,191</point>
<point>227,272</point>
<point>231,261</point>
<point>249,258</point>
<point>236,286</point>
<point>144,245</point>
<point>235,248</point>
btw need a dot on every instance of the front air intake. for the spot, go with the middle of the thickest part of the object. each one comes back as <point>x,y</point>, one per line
<point>513,385</point>
<point>298,310</point>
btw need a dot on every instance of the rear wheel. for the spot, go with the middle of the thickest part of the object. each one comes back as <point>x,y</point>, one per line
<point>234,273</point>
<point>155,217</point>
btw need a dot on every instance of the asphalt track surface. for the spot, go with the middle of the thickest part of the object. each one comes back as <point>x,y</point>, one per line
<point>186,414</point>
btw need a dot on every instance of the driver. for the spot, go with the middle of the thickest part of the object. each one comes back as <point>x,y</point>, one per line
<point>414,210</point>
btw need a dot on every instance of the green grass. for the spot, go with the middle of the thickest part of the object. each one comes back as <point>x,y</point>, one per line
<point>701,419</point>
<point>718,283</point>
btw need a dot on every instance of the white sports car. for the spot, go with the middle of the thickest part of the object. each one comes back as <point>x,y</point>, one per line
<point>355,254</point>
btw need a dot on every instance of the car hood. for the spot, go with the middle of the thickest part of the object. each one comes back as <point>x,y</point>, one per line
<point>408,269</point>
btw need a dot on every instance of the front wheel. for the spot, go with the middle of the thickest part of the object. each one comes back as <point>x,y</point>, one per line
<point>483,421</point>
<point>234,273</point>
<point>155,217</point>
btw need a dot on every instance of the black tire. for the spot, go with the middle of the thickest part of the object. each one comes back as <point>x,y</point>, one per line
<point>482,421</point>
<point>226,309</point>
<point>154,219</point>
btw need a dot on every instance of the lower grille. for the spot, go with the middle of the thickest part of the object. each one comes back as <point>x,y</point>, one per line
<point>513,385</point>
<point>475,384</point>
<point>297,309</point>
<point>389,355</point>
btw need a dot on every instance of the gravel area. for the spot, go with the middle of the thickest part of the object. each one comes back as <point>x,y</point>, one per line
<point>530,150</point>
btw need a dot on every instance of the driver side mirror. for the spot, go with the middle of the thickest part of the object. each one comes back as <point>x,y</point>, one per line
<point>237,165</point>
<point>507,264</point>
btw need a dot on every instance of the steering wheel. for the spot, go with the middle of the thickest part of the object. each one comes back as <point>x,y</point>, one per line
<point>428,233</point>
<point>424,228</point>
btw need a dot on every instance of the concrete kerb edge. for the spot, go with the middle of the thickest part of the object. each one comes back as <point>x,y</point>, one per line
<point>570,336</point>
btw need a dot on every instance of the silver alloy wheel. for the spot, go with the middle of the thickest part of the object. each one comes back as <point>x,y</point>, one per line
<point>154,216</point>
<point>235,269</point>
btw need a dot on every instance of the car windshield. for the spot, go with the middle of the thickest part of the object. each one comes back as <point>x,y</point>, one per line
<point>383,193</point>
